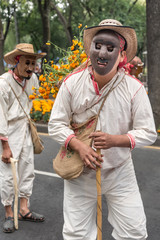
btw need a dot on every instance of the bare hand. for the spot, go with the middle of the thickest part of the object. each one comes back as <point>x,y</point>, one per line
<point>6,154</point>
<point>89,156</point>
<point>101,140</point>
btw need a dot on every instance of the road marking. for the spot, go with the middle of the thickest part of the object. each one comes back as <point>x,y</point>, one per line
<point>45,134</point>
<point>153,147</point>
<point>47,173</point>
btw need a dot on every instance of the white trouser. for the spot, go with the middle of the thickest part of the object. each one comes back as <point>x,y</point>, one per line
<point>125,207</point>
<point>25,171</point>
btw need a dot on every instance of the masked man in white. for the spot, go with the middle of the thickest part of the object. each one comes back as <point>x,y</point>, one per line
<point>15,134</point>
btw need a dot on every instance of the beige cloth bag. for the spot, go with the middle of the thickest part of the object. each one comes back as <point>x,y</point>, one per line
<point>68,163</point>
<point>37,142</point>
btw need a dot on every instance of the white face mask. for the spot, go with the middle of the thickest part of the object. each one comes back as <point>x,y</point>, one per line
<point>26,66</point>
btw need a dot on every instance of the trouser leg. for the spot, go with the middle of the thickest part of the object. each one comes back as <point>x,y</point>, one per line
<point>125,207</point>
<point>7,189</point>
<point>26,169</point>
<point>80,209</point>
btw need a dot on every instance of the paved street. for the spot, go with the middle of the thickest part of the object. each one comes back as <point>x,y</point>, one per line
<point>47,196</point>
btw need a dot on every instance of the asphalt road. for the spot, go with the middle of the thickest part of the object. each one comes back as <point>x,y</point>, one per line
<point>47,196</point>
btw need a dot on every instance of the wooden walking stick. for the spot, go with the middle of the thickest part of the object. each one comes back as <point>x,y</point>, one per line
<point>13,161</point>
<point>99,200</point>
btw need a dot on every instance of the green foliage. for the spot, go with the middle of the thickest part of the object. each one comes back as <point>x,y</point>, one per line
<point>87,12</point>
<point>36,115</point>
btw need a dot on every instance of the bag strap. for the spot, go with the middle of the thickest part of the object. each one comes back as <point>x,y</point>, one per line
<point>19,102</point>
<point>105,97</point>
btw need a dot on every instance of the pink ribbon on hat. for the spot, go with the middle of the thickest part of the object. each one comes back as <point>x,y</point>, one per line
<point>18,57</point>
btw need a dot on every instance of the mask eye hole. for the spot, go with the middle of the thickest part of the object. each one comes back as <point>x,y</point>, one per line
<point>27,62</point>
<point>98,46</point>
<point>110,48</point>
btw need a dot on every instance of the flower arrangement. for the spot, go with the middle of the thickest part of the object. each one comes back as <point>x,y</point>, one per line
<point>41,109</point>
<point>53,75</point>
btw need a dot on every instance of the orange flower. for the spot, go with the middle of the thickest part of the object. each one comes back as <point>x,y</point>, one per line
<point>76,52</point>
<point>32,97</point>
<point>72,48</point>
<point>41,90</point>
<point>80,25</point>
<point>56,67</point>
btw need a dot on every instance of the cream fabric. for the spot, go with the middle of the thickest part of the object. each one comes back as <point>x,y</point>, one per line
<point>14,126</point>
<point>125,208</point>
<point>127,110</point>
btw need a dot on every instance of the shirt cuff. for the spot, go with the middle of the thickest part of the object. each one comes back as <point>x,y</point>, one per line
<point>69,139</point>
<point>132,141</point>
<point>3,138</point>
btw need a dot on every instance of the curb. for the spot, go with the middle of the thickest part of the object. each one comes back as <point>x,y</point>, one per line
<point>43,128</point>
<point>157,142</point>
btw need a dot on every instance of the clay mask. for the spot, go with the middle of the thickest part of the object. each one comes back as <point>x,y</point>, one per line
<point>26,66</point>
<point>104,51</point>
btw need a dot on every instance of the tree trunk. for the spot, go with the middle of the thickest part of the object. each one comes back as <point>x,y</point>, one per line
<point>1,48</point>
<point>153,56</point>
<point>44,9</point>
<point>16,27</point>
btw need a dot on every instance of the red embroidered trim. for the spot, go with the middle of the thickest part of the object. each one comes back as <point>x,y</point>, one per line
<point>3,138</point>
<point>73,74</point>
<point>135,78</point>
<point>17,79</point>
<point>136,93</point>
<point>68,140</point>
<point>132,141</point>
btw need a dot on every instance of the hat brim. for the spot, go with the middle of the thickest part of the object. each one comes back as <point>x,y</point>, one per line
<point>9,58</point>
<point>126,32</point>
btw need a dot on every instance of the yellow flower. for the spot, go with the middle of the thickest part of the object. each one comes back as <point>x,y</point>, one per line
<point>80,25</point>
<point>32,97</point>
<point>72,48</point>
<point>76,52</point>
<point>83,55</point>
<point>55,67</point>
<point>48,43</point>
<point>75,42</point>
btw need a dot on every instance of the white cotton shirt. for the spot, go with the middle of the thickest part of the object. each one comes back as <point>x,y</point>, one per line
<point>13,122</point>
<point>127,110</point>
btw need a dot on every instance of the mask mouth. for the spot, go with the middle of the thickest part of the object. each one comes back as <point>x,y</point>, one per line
<point>102,61</point>
<point>29,72</point>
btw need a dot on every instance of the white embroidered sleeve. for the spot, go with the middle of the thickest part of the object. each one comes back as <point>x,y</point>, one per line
<point>144,132</point>
<point>58,126</point>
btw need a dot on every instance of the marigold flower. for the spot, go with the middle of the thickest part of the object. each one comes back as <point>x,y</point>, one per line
<point>80,25</point>
<point>41,90</point>
<point>56,67</point>
<point>76,52</point>
<point>75,42</point>
<point>83,55</point>
<point>32,97</point>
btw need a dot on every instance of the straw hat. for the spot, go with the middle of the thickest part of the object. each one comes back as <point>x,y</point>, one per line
<point>22,49</point>
<point>128,33</point>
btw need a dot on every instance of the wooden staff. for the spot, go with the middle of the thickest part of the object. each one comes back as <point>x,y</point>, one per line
<point>13,161</point>
<point>99,200</point>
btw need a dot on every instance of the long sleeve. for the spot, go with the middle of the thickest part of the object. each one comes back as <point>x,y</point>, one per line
<point>58,126</point>
<point>143,132</point>
<point>3,114</point>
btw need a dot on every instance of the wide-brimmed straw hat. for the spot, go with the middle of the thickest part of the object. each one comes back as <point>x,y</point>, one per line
<point>128,33</point>
<point>22,49</point>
